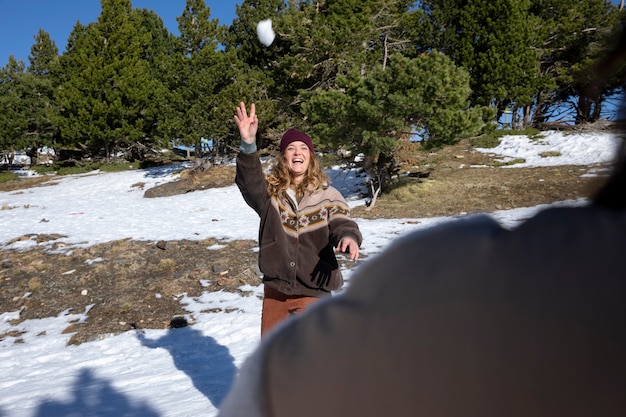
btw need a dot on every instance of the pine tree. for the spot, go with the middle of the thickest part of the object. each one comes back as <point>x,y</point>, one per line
<point>196,77</point>
<point>109,97</point>
<point>42,108</point>
<point>574,36</point>
<point>259,77</point>
<point>427,95</point>
<point>44,55</point>
<point>27,100</point>
<point>316,42</point>
<point>13,121</point>
<point>493,40</point>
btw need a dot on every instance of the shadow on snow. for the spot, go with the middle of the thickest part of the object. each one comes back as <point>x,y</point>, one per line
<point>94,397</point>
<point>165,170</point>
<point>208,364</point>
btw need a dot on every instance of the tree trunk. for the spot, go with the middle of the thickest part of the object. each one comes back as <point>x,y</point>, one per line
<point>526,121</point>
<point>538,115</point>
<point>375,194</point>
<point>32,154</point>
<point>588,109</point>
<point>386,53</point>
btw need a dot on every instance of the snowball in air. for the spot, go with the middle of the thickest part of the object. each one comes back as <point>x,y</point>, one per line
<point>265,32</point>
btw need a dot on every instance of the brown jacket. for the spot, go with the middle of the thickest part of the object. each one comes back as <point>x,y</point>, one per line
<point>463,319</point>
<point>296,253</point>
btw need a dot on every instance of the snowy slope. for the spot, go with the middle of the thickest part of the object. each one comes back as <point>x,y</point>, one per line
<point>187,371</point>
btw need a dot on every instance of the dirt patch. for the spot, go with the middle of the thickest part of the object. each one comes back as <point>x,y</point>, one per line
<point>132,284</point>
<point>461,180</point>
<point>135,284</point>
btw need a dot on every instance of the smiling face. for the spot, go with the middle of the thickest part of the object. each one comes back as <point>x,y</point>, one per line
<point>298,156</point>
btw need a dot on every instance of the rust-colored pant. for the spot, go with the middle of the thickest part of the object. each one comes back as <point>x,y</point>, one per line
<point>278,307</point>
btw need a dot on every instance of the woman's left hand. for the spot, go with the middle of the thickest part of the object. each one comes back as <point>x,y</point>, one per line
<point>349,246</point>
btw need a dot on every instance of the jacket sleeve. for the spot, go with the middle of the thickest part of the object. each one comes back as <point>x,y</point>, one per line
<point>340,222</point>
<point>251,181</point>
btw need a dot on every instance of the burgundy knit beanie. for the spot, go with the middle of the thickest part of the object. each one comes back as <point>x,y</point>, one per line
<point>293,135</point>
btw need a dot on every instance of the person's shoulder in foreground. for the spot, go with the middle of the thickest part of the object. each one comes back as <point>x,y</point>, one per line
<point>466,318</point>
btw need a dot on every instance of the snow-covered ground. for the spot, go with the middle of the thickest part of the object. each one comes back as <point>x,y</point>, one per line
<point>186,371</point>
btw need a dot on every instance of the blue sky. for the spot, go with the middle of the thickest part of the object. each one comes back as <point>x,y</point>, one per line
<point>20,20</point>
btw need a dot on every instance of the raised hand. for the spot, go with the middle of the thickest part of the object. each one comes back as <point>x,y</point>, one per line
<point>248,125</point>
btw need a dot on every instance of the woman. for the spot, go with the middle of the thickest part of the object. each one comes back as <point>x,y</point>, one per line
<point>302,219</point>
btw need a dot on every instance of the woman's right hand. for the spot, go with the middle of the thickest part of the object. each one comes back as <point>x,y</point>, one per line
<point>248,125</point>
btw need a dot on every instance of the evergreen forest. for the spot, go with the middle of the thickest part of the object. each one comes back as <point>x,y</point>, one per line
<point>358,75</point>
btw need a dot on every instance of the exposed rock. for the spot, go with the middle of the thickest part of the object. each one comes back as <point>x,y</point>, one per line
<point>169,189</point>
<point>220,268</point>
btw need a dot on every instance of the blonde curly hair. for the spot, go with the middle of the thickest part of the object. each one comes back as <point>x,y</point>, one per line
<point>279,179</point>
